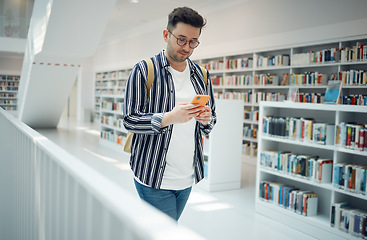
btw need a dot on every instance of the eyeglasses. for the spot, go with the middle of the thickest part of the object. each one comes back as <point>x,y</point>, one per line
<point>182,41</point>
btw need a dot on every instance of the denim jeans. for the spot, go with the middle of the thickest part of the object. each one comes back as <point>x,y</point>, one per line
<point>171,202</point>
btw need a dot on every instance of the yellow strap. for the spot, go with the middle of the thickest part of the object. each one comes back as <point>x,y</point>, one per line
<point>150,77</point>
<point>203,70</point>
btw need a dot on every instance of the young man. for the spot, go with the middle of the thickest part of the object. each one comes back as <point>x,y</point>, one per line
<point>166,152</point>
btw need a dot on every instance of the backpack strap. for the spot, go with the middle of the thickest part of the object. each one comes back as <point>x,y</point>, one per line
<point>150,77</point>
<point>203,70</point>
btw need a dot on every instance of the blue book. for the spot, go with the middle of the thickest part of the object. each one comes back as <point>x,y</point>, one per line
<point>332,91</point>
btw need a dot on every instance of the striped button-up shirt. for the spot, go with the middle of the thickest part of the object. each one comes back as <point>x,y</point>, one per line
<point>143,117</point>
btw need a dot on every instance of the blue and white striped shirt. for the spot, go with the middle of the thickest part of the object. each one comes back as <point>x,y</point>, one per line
<point>143,117</point>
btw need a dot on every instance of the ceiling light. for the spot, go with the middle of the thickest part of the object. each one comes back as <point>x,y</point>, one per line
<point>134,1</point>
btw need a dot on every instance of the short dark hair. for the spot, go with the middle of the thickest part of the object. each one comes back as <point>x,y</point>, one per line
<point>187,16</point>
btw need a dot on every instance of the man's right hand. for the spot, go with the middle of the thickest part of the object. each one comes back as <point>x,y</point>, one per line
<point>182,113</point>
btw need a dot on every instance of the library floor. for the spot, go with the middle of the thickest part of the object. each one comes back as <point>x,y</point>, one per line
<point>218,215</point>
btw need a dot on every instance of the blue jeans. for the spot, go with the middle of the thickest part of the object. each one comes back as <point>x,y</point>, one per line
<point>171,202</point>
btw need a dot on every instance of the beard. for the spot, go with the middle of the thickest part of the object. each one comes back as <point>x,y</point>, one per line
<point>179,55</point>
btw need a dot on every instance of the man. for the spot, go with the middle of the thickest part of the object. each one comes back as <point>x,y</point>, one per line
<point>166,152</point>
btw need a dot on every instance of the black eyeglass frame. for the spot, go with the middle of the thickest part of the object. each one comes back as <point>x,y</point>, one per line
<point>185,41</point>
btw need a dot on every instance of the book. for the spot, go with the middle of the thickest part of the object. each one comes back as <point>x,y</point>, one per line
<point>336,213</point>
<point>338,175</point>
<point>332,92</point>
<point>310,203</point>
<point>325,170</point>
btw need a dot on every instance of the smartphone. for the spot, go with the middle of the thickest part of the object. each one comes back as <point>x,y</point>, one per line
<point>201,100</point>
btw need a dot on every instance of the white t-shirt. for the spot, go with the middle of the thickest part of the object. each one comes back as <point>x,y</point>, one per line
<point>179,172</point>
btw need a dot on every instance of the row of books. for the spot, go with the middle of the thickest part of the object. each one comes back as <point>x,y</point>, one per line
<point>111,83</point>
<point>108,120</point>
<point>357,99</point>
<point>352,136</point>
<point>111,121</point>
<point>107,105</point>
<point>289,197</point>
<point>307,78</point>
<point>348,219</point>
<point>309,97</point>
<point>268,96</point>
<point>358,52</point>
<point>311,168</point>
<point>350,177</point>
<point>353,77</point>
<point>249,149</point>
<point>10,84</point>
<point>214,65</point>
<point>322,56</point>
<point>112,75</point>
<point>6,95</point>
<point>9,108</point>
<point>266,79</point>
<point>112,106</point>
<point>8,102</point>
<point>233,80</point>
<point>278,60</point>
<point>251,115</point>
<point>113,137</point>
<point>217,80</point>
<point>231,95</point>
<point>250,98</point>
<point>109,91</point>
<point>238,63</point>
<point>249,132</point>
<point>7,88</point>
<point>9,78</point>
<point>300,129</point>
<point>229,64</point>
<point>355,53</point>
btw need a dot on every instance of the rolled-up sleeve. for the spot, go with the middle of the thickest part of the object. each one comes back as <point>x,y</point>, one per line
<point>136,118</point>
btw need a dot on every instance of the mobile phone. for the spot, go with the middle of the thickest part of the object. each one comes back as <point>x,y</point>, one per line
<point>201,100</point>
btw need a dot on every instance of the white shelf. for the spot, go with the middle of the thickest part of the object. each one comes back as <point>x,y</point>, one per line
<point>225,148</point>
<point>318,226</point>
<point>8,82</point>
<point>327,68</point>
<point>114,115</point>
<point>296,142</point>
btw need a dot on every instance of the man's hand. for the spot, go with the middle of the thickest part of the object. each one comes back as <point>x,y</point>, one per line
<point>205,116</point>
<point>182,113</point>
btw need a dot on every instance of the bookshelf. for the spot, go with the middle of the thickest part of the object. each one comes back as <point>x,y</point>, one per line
<point>267,74</point>
<point>9,92</point>
<point>113,134</point>
<point>109,83</point>
<point>319,226</point>
<point>222,149</point>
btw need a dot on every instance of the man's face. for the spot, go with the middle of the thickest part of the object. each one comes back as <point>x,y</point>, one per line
<point>182,31</point>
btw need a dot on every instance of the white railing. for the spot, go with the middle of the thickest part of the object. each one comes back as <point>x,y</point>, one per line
<point>48,194</point>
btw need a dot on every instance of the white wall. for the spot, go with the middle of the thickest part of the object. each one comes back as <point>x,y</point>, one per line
<point>250,25</point>
<point>85,99</point>
<point>11,64</point>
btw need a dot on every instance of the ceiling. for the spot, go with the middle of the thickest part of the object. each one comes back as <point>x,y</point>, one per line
<point>128,15</point>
